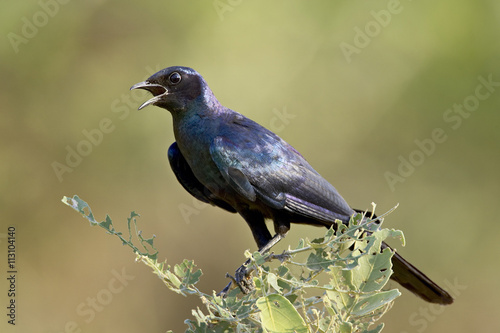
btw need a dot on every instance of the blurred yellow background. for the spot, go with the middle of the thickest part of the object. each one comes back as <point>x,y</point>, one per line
<point>392,101</point>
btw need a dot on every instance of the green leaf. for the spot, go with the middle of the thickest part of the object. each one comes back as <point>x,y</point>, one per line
<point>107,223</point>
<point>259,258</point>
<point>342,296</point>
<point>368,304</point>
<point>150,240</point>
<point>80,206</point>
<point>185,272</point>
<point>386,233</point>
<point>345,327</point>
<point>373,271</point>
<point>283,271</point>
<point>318,260</point>
<point>279,315</point>
<point>330,233</point>
<point>301,244</point>
<point>273,281</point>
<point>173,279</point>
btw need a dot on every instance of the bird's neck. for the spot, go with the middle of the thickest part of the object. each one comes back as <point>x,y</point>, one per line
<point>198,124</point>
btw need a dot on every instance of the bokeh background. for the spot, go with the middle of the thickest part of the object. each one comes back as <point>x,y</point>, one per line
<point>350,84</point>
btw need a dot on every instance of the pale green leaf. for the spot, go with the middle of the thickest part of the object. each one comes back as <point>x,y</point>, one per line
<point>368,304</point>
<point>373,271</point>
<point>278,315</point>
<point>345,327</point>
<point>273,281</point>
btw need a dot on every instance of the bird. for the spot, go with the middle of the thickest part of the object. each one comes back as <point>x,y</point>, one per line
<point>229,161</point>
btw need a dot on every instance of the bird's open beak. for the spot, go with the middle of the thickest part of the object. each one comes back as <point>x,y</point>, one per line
<point>157,90</point>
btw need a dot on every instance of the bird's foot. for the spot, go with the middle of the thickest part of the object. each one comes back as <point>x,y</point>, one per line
<point>243,279</point>
<point>223,292</point>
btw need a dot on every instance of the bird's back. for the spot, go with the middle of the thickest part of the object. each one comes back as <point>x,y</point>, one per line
<point>276,169</point>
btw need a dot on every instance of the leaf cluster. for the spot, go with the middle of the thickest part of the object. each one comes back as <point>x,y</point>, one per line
<point>330,284</point>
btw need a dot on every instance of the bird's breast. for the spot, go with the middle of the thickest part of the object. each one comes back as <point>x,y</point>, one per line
<point>194,138</point>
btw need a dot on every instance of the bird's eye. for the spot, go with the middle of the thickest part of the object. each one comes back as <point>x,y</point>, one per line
<point>174,78</point>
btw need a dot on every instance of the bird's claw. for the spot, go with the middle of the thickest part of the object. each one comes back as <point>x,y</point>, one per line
<point>243,280</point>
<point>223,292</point>
<point>242,277</point>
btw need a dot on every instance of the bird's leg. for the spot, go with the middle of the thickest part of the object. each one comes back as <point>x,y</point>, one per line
<point>271,243</point>
<point>241,277</point>
<point>265,242</point>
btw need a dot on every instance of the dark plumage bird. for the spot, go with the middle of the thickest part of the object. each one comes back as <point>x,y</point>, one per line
<point>227,160</point>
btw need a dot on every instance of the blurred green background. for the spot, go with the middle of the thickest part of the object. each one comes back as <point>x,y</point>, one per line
<point>350,84</point>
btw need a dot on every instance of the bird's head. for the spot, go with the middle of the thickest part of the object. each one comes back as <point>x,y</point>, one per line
<point>173,88</point>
